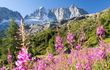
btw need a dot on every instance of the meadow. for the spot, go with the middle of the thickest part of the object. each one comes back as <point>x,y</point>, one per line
<point>78,45</point>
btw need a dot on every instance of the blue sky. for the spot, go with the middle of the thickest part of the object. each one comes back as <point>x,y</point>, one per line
<point>29,6</point>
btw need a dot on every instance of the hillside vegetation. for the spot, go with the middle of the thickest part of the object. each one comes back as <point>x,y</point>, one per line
<point>44,41</point>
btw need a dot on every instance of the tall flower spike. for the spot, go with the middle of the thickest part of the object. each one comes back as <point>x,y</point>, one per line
<point>78,66</point>
<point>78,47</point>
<point>41,65</point>
<point>100,31</point>
<point>59,43</point>
<point>82,37</point>
<point>9,57</point>
<point>22,29</point>
<point>23,58</point>
<point>3,68</point>
<point>58,30</point>
<point>50,57</point>
<point>68,26</point>
<point>70,37</point>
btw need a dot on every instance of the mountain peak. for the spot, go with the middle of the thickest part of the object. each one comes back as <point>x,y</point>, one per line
<point>57,14</point>
<point>41,7</point>
<point>73,5</point>
<point>7,14</point>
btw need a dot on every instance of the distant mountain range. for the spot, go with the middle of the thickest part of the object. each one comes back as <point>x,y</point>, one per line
<point>55,14</point>
<point>40,16</point>
<point>6,14</point>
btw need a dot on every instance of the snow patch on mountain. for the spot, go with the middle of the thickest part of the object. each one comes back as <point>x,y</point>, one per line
<point>55,14</point>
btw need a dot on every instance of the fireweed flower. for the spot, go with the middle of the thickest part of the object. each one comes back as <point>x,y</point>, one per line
<point>91,57</point>
<point>101,43</point>
<point>41,65</point>
<point>23,57</point>
<point>50,57</point>
<point>70,38</point>
<point>88,65</point>
<point>58,39</point>
<point>78,47</point>
<point>3,68</point>
<point>108,48</point>
<point>70,60</point>
<point>78,66</point>
<point>82,37</point>
<point>59,44</point>
<point>100,31</point>
<point>101,54</point>
<point>9,57</point>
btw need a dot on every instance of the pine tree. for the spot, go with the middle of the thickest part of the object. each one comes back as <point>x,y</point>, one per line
<point>12,41</point>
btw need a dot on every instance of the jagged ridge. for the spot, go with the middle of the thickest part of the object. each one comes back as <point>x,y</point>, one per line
<point>56,14</point>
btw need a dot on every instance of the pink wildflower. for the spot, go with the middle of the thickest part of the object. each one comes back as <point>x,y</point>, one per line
<point>78,66</point>
<point>9,58</point>
<point>100,31</point>
<point>3,68</point>
<point>59,44</point>
<point>41,65</point>
<point>70,38</point>
<point>78,47</point>
<point>50,57</point>
<point>23,57</point>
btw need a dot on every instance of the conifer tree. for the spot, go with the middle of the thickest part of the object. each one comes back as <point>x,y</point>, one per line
<point>12,33</point>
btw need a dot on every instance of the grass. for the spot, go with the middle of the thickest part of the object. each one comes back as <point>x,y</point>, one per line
<point>88,25</point>
<point>107,40</point>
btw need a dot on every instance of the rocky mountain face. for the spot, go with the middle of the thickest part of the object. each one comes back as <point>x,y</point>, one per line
<point>41,18</point>
<point>55,14</point>
<point>6,15</point>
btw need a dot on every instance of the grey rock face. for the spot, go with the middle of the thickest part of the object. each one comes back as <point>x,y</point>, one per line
<point>9,14</point>
<point>6,15</point>
<point>56,14</point>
